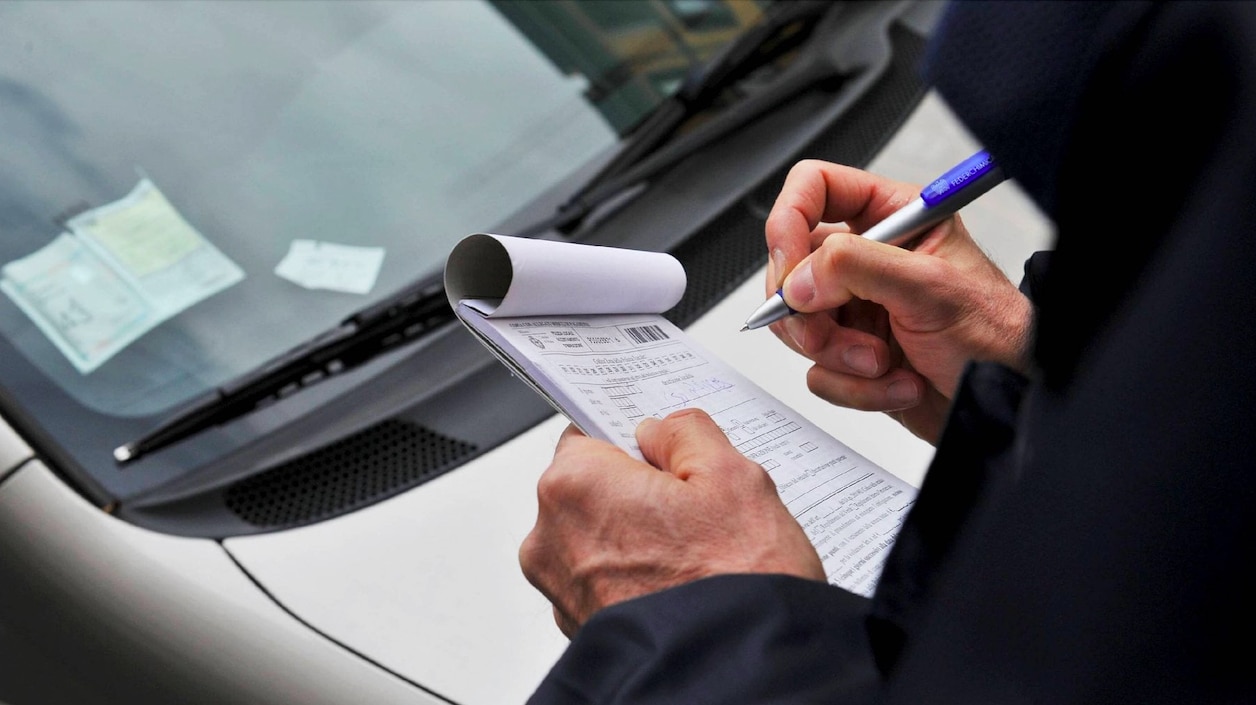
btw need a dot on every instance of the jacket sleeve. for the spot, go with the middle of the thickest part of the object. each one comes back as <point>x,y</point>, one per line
<point>732,638</point>
<point>777,639</point>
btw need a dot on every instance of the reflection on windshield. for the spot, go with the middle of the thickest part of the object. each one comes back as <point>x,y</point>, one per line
<point>396,127</point>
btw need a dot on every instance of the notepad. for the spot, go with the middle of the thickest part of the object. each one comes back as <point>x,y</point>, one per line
<point>583,325</point>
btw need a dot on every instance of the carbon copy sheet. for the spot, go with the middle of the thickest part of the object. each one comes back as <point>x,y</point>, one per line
<point>584,326</point>
<point>607,373</point>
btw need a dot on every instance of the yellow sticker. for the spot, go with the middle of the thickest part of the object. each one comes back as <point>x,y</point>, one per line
<point>142,231</point>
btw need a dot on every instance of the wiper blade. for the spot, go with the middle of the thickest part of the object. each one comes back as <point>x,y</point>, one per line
<point>398,319</point>
<point>782,29</point>
<point>423,307</point>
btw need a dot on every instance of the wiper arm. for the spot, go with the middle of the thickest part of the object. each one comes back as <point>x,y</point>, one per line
<point>400,318</point>
<point>781,30</point>
<point>424,307</point>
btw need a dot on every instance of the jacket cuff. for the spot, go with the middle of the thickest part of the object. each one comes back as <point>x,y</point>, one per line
<point>730,638</point>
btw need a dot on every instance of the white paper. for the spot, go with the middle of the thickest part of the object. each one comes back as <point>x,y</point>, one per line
<point>121,270</point>
<point>607,371</point>
<point>523,277</point>
<point>324,265</point>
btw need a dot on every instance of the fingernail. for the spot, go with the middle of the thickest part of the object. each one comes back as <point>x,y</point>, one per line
<point>902,393</point>
<point>800,286</point>
<point>797,330</point>
<point>778,266</point>
<point>861,359</point>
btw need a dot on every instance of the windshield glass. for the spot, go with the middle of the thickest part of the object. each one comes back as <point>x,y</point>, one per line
<point>190,189</point>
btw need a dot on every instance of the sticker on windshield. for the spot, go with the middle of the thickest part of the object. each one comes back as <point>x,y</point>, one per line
<point>121,270</point>
<point>325,265</point>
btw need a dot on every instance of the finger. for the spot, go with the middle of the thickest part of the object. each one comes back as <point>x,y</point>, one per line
<point>897,390</point>
<point>792,330</point>
<point>817,192</point>
<point>848,267</point>
<point>686,442</point>
<point>837,347</point>
<point>823,230</point>
<point>864,316</point>
<point>581,474</point>
<point>585,449</point>
<point>925,420</point>
<point>777,266</point>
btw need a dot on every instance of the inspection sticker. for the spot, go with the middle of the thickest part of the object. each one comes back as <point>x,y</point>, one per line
<point>121,270</point>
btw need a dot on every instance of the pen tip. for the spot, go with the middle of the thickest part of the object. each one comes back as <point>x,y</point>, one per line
<point>744,329</point>
<point>124,453</point>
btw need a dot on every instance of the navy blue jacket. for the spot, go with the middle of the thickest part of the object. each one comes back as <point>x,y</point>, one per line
<point>1086,535</point>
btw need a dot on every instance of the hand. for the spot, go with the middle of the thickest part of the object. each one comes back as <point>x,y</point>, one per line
<point>610,528</point>
<point>889,329</point>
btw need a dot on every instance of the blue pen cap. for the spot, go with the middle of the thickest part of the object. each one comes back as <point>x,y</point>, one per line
<point>963,174</point>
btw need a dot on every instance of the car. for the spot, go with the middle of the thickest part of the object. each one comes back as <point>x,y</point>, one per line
<point>247,454</point>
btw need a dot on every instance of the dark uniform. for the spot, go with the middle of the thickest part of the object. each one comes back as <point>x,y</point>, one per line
<point>1085,535</point>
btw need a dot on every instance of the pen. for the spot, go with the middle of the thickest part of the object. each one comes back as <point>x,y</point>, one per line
<point>938,201</point>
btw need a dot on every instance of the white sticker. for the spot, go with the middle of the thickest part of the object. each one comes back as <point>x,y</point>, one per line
<point>121,270</point>
<point>325,265</point>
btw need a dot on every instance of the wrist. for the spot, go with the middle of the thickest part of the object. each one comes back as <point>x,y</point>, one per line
<point>1012,332</point>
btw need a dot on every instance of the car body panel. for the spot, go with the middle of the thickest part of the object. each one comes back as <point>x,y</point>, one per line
<point>417,598</point>
<point>138,616</point>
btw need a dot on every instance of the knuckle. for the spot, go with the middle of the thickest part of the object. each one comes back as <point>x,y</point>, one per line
<point>686,416</point>
<point>837,253</point>
<point>672,426</point>
<point>528,551</point>
<point>536,563</point>
<point>764,482</point>
<point>556,486</point>
<point>838,248</point>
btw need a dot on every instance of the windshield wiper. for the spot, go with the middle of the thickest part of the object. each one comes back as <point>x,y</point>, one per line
<point>400,318</point>
<point>782,29</point>
<point>422,307</point>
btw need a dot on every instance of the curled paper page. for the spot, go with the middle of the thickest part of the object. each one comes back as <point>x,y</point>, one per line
<point>528,277</point>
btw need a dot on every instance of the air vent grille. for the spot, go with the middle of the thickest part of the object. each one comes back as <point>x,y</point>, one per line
<point>361,469</point>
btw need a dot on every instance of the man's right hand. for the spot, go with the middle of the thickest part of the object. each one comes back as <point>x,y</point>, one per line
<point>889,329</point>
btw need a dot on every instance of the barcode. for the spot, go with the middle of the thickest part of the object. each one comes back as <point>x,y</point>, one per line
<point>646,334</point>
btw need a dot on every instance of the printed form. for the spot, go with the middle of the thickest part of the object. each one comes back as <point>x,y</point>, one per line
<point>608,371</point>
<point>617,370</point>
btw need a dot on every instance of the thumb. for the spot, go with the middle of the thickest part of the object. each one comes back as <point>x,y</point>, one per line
<point>847,266</point>
<point>685,443</point>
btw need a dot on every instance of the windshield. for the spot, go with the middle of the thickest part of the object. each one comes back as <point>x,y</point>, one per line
<point>190,189</point>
